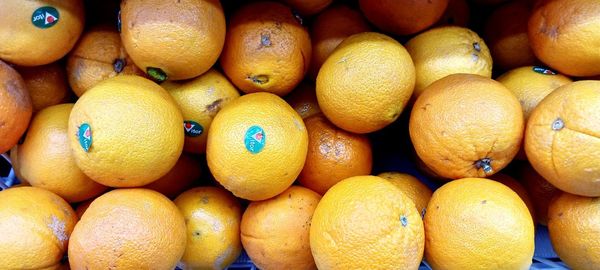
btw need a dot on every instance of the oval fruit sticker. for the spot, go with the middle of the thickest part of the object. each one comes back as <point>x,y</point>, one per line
<point>45,17</point>
<point>255,139</point>
<point>543,70</point>
<point>192,129</point>
<point>85,136</point>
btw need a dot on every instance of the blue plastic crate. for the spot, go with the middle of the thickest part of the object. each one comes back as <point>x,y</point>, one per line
<point>544,257</point>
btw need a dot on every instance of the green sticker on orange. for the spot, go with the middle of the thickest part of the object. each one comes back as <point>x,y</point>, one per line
<point>192,129</point>
<point>45,17</point>
<point>255,139</point>
<point>543,70</point>
<point>85,136</point>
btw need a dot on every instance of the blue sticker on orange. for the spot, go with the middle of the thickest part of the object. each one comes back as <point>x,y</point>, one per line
<point>255,139</point>
<point>85,136</point>
<point>192,129</point>
<point>45,17</point>
<point>543,70</point>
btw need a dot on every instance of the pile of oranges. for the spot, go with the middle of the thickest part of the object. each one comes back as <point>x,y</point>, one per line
<point>154,134</point>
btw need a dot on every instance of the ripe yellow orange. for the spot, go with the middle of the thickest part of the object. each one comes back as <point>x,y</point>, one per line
<point>574,226</point>
<point>373,71</point>
<point>257,146</point>
<point>39,32</point>
<point>565,35</point>
<point>173,40</point>
<point>418,192</point>
<point>403,17</point>
<point>36,225</point>
<point>97,56</point>
<point>329,29</point>
<point>200,100</point>
<point>275,232</point>
<point>562,139</point>
<point>308,7</point>
<point>128,229</point>
<point>15,107</point>
<point>213,219</point>
<point>304,100</point>
<point>476,223</point>
<point>365,222</point>
<point>45,159</point>
<point>180,178</point>
<point>540,191</point>
<point>266,49</point>
<point>518,188</point>
<point>333,155</point>
<point>506,35</point>
<point>447,50</point>
<point>47,85</point>
<point>125,132</point>
<point>466,125</point>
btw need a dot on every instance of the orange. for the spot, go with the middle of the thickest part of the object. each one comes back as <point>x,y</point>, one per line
<point>403,17</point>
<point>200,100</point>
<point>333,155</point>
<point>447,50</point>
<point>531,84</point>
<point>45,159</point>
<point>257,146</point>
<point>506,35</point>
<point>15,107</point>
<point>518,188</point>
<point>540,191</point>
<point>126,132</point>
<point>574,226</point>
<point>266,49</point>
<point>173,40</point>
<point>97,56</point>
<point>476,223</point>
<point>562,140</point>
<point>373,71</point>
<point>36,226</point>
<point>82,207</point>
<point>304,100</point>
<point>310,7</point>
<point>329,29</point>
<point>365,222</point>
<point>47,85</point>
<point>129,229</point>
<point>489,2</point>
<point>213,219</point>
<point>39,32</point>
<point>457,13</point>
<point>418,192</point>
<point>180,178</point>
<point>565,34</point>
<point>275,232</point>
<point>466,125</point>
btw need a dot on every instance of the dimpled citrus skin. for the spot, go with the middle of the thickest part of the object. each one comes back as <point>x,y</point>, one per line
<point>517,187</point>
<point>47,85</point>
<point>184,175</point>
<point>128,229</point>
<point>375,73</point>
<point>46,161</point>
<point>36,225</point>
<point>261,175</point>
<point>447,50</point>
<point>213,218</point>
<point>136,129</point>
<point>476,223</point>
<point>562,140</point>
<point>329,29</point>
<point>200,100</point>
<point>309,7</point>
<point>15,107</point>
<point>25,44</point>
<point>565,35</point>
<point>418,192</point>
<point>93,58</point>
<point>403,17</point>
<point>365,222</point>
<point>184,39</point>
<point>463,120</point>
<point>275,232</point>
<point>267,49</point>
<point>574,226</point>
